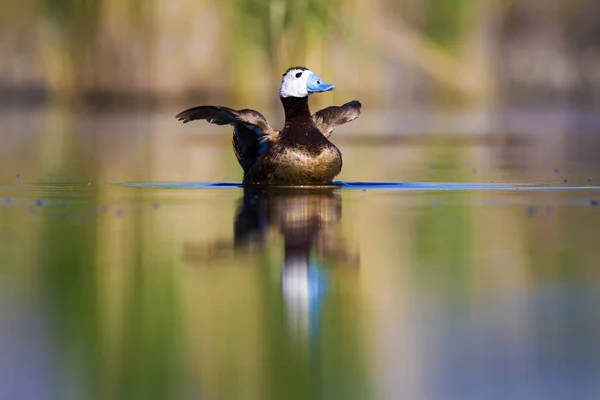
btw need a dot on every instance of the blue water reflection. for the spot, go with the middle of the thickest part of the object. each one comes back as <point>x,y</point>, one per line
<point>526,344</point>
<point>377,186</point>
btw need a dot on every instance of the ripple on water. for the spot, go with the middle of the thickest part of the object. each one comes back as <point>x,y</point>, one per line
<point>48,196</point>
<point>446,186</point>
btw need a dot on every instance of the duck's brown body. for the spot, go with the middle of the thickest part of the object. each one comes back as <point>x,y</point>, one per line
<point>301,154</point>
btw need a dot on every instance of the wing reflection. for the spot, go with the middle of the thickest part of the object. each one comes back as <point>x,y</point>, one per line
<point>305,218</point>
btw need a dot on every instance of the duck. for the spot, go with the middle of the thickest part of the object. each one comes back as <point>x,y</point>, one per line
<point>300,154</point>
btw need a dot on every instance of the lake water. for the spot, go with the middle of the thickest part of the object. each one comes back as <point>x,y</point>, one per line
<point>457,257</point>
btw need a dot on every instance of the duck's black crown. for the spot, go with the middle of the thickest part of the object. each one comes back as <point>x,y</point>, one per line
<point>298,68</point>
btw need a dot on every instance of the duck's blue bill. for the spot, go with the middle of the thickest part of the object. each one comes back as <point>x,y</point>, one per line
<point>314,84</point>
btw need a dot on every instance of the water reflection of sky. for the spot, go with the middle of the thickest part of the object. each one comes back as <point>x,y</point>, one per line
<point>532,344</point>
<point>28,352</point>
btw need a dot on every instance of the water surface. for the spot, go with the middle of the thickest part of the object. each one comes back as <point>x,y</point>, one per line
<point>441,266</point>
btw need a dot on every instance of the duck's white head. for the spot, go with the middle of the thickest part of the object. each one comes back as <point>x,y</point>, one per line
<point>301,82</point>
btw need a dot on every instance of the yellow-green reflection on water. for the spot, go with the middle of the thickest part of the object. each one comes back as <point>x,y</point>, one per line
<point>120,291</point>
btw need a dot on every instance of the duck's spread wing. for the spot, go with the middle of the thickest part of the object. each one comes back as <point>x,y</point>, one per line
<point>252,134</point>
<point>330,118</point>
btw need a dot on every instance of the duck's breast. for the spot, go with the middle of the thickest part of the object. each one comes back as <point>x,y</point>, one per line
<point>306,165</point>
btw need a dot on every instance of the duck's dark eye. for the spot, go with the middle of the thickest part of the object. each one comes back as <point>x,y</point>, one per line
<point>298,74</point>
<point>318,82</point>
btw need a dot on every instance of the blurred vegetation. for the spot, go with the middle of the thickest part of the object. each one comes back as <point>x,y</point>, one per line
<point>270,24</point>
<point>490,51</point>
<point>130,320</point>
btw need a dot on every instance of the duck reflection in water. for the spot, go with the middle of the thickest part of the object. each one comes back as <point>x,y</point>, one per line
<point>305,217</point>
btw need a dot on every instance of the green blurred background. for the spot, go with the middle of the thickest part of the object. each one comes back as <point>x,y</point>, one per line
<point>109,291</point>
<point>413,53</point>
